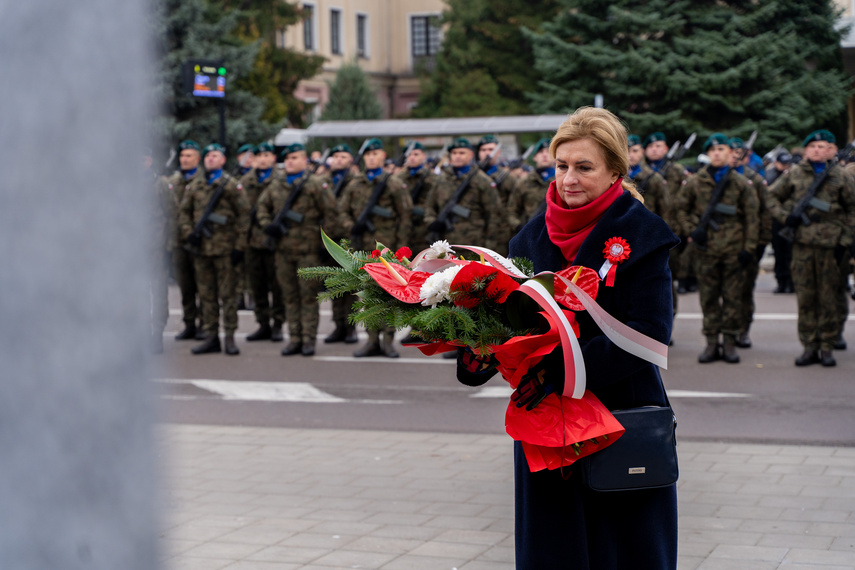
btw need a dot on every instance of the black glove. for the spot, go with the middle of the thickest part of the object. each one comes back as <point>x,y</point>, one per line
<point>358,229</point>
<point>436,227</point>
<point>699,236</point>
<point>840,252</point>
<point>273,230</point>
<point>793,221</point>
<point>194,239</point>
<point>544,378</point>
<point>237,256</point>
<point>745,258</point>
<point>474,370</point>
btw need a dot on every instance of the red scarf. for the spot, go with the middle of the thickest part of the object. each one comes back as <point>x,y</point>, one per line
<point>568,228</point>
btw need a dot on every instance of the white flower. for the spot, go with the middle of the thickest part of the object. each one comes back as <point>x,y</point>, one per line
<point>439,250</point>
<point>436,287</point>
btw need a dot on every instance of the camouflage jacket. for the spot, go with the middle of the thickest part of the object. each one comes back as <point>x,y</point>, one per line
<point>528,198</point>
<point>481,199</point>
<point>654,192</point>
<point>505,188</point>
<point>233,206</point>
<point>254,189</point>
<point>736,216</point>
<point>674,178</point>
<point>758,183</point>
<point>162,212</point>
<point>409,183</point>
<point>827,228</point>
<point>315,204</point>
<point>391,217</point>
<point>177,185</point>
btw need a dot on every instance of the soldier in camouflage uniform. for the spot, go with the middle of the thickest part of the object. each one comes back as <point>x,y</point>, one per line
<point>339,177</point>
<point>480,198</point>
<point>505,184</point>
<point>528,199</point>
<point>261,262</point>
<point>739,163</point>
<point>245,163</point>
<point>217,254</point>
<point>817,247</point>
<point>162,211</point>
<point>391,218</point>
<point>418,180</point>
<point>189,156</point>
<point>650,184</point>
<point>298,242</point>
<point>723,248</point>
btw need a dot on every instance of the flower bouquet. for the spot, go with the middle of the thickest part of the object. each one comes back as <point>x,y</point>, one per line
<point>492,306</point>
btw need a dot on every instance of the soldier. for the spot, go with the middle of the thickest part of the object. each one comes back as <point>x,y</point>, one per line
<point>245,163</point>
<point>818,246</point>
<point>341,161</point>
<point>528,199</point>
<point>649,183</point>
<point>228,227</point>
<point>245,160</point>
<point>260,261</point>
<point>505,184</point>
<point>479,197</point>
<point>782,248</point>
<point>189,156</point>
<point>418,180</point>
<point>720,207</point>
<point>389,212</point>
<point>739,162</point>
<point>306,202</point>
<point>162,211</point>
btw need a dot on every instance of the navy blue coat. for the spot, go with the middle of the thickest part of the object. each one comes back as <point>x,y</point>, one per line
<point>560,523</point>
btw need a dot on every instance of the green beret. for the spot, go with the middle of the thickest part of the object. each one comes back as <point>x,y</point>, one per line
<point>460,142</point>
<point>488,139</point>
<point>264,147</point>
<point>189,145</point>
<point>343,147</point>
<point>632,140</point>
<point>214,147</point>
<point>541,144</point>
<point>290,149</point>
<point>246,148</point>
<point>657,136</point>
<point>416,145</point>
<point>820,135</point>
<point>716,138</point>
<point>736,143</point>
<point>373,144</point>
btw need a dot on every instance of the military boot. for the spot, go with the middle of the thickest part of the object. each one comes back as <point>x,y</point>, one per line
<point>338,335</point>
<point>808,357</point>
<point>292,348</point>
<point>411,339</point>
<point>189,333</point>
<point>263,333</point>
<point>728,351</point>
<point>231,347</point>
<point>370,348</point>
<point>710,353</point>
<point>211,344</point>
<point>276,332</point>
<point>308,348</point>
<point>350,336</point>
<point>200,332</point>
<point>826,359</point>
<point>840,343</point>
<point>743,340</point>
<point>389,345</point>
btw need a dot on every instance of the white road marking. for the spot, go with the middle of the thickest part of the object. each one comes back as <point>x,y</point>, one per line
<point>249,391</point>
<point>493,392</point>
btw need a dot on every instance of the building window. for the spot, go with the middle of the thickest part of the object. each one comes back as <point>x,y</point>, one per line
<point>426,36</point>
<point>335,31</point>
<point>362,35</point>
<point>309,27</point>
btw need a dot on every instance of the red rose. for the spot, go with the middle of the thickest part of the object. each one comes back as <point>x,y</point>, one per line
<point>404,252</point>
<point>375,253</point>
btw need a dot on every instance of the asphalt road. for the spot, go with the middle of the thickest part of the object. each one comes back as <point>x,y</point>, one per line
<point>765,398</point>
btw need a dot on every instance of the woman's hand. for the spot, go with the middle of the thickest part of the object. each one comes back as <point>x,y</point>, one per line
<point>474,363</point>
<point>544,378</point>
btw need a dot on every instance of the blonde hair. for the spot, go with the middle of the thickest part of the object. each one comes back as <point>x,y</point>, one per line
<point>605,129</point>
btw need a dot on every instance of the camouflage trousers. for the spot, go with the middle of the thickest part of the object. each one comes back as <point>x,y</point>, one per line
<point>159,292</point>
<point>215,278</point>
<point>685,263</point>
<point>341,309</point>
<point>746,314</point>
<point>720,283</point>
<point>843,296</point>
<point>816,278</point>
<point>264,284</point>
<point>183,268</point>
<point>300,295</point>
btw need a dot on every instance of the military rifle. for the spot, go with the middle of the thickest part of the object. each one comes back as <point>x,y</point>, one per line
<point>443,222</point>
<point>418,211</point>
<point>321,161</point>
<point>363,222</point>
<point>809,200</point>
<point>514,164</point>
<point>707,220</point>
<point>675,153</point>
<point>286,216</point>
<point>200,229</point>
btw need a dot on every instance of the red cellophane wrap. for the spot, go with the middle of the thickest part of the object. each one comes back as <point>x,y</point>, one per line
<point>549,431</point>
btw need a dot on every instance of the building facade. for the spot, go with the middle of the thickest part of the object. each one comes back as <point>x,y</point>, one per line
<point>390,39</point>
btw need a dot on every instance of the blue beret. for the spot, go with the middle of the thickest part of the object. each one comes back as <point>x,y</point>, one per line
<point>488,139</point>
<point>820,135</point>
<point>653,137</point>
<point>246,148</point>
<point>715,139</point>
<point>214,147</point>
<point>292,148</point>
<point>460,142</point>
<point>633,140</point>
<point>374,144</point>
<point>264,147</point>
<point>343,147</point>
<point>189,145</point>
<point>736,143</point>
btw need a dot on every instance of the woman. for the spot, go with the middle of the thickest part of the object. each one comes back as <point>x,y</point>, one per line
<point>559,522</point>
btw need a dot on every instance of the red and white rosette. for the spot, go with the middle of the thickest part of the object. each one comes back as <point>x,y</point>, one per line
<point>616,251</point>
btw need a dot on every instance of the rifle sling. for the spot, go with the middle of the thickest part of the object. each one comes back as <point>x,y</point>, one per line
<point>715,198</point>
<point>368,210</point>
<point>211,205</point>
<point>282,215</point>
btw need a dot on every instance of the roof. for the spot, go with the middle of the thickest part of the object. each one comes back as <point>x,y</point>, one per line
<point>435,127</point>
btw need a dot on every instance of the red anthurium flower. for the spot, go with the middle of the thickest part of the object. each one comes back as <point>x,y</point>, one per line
<point>407,292</point>
<point>464,282</point>
<point>501,286</point>
<point>403,253</point>
<point>588,281</point>
<point>375,254</point>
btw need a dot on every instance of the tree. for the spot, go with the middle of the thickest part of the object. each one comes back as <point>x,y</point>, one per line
<point>351,96</point>
<point>484,57</point>
<point>696,65</point>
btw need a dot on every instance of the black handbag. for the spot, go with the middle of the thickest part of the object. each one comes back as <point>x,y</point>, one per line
<point>644,457</point>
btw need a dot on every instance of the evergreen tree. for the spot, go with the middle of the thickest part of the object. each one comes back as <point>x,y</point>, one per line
<point>696,65</point>
<point>484,67</point>
<point>351,97</point>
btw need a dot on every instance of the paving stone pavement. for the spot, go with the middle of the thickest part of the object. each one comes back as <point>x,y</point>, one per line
<point>243,498</point>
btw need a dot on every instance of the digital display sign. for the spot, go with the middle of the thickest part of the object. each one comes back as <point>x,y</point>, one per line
<point>205,78</point>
